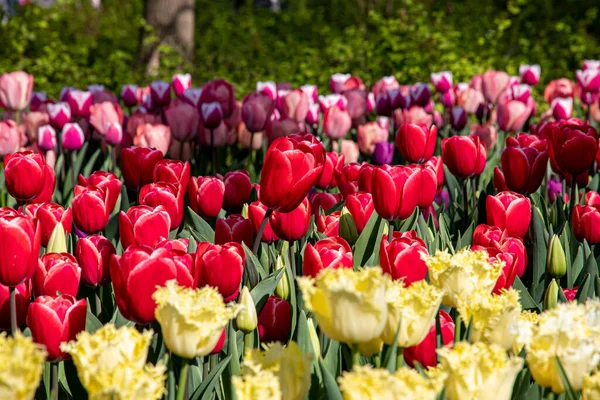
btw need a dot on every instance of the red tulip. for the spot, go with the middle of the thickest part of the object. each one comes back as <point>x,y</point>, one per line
<point>329,225</point>
<point>425,352</point>
<point>23,293</point>
<point>139,271</point>
<point>274,320</point>
<point>20,238</point>
<point>293,165</point>
<point>48,215</point>
<point>106,181</point>
<point>325,201</point>
<point>206,195</point>
<point>219,91</point>
<point>80,103</point>
<point>137,165</point>
<point>428,183</point>
<point>15,90</point>
<point>524,162</point>
<point>90,209</point>
<point>333,252</point>
<point>572,147</point>
<point>57,273</point>
<point>360,205</point>
<point>180,83</point>
<point>257,109</point>
<point>365,177</point>
<point>416,142</point>
<point>333,162</point>
<point>586,223</point>
<point>292,225</point>
<point>144,226</point>
<point>160,93</point>
<point>464,156</point>
<point>592,198</point>
<point>48,189</point>
<point>395,191</point>
<point>234,228</point>
<point>509,211</point>
<point>256,213</point>
<point>25,174</point>
<point>93,254</point>
<point>166,195</point>
<point>336,123</point>
<point>402,257</point>
<point>237,190</point>
<point>54,321</point>
<point>438,166</point>
<point>183,120</point>
<point>221,267</point>
<point>570,293</point>
<point>173,171</point>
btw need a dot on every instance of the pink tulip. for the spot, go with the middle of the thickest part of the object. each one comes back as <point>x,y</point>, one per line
<point>562,107</point>
<point>588,79</point>
<point>384,85</point>
<point>15,90</point>
<point>470,99</point>
<point>337,82</point>
<point>349,151</point>
<point>72,137</point>
<point>80,103</point>
<point>413,115</point>
<point>530,74</point>
<point>46,138</point>
<point>192,96</point>
<point>183,119</point>
<point>512,114</point>
<point>269,88</point>
<point>591,64</point>
<point>129,94</point>
<point>326,102</point>
<point>369,134</point>
<point>442,81</point>
<point>106,119</point>
<point>155,136</point>
<point>160,94</point>
<point>312,117</point>
<point>10,138</point>
<point>295,105</point>
<point>60,114</point>
<point>493,84</point>
<point>336,123</point>
<point>181,82</point>
<point>311,91</point>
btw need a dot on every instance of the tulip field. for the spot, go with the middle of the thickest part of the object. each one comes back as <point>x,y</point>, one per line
<point>369,240</point>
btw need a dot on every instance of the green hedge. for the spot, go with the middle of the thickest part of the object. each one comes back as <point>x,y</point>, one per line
<point>72,43</point>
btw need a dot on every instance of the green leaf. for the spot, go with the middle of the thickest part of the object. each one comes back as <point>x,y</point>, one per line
<point>583,291</point>
<point>366,241</point>
<point>302,334</point>
<point>253,267</point>
<point>266,288</point>
<point>203,229</point>
<point>527,302</point>
<point>91,323</point>
<point>330,385</point>
<point>206,389</point>
<point>540,250</point>
<point>565,381</point>
<point>124,199</point>
<point>87,170</point>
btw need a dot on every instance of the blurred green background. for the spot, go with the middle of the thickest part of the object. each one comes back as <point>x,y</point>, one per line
<point>73,43</point>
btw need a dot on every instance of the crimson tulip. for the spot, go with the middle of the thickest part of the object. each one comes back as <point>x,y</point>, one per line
<point>325,201</point>
<point>428,183</point>
<point>137,166</point>
<point>464,155</point>
<point>80,103</point>
<point>219,91</point>
<point>23,293</point>
<point>24,174</point>
<point>333,162</point>
<point>256,214</point>
<point>54,321</point>
<point>57,273</point>
<point>347,178</point>
<point>222,267</point>
<point>395,191</point>
<point>206,195</point>
<point>237,190</point>
<point>144,226</point>
<point>166,195</point>
<point>48,215</point>
<point>139,271</point>
<point>21,239</point>
<point>402,257</point>
<point>572,147</point>
<point>365,175</point>
<point>90,209</point>
<point>93,254</point>
<point>293,165</point>
<point>173,171</point>
<point>425,352</point>
<point>524,162</point>
<point>586,223</point>
<point>292,225</point>
<point>106,181</point>
<point>275,320</point>
<point>416,142</point>
<point>234,228</point>
<point>329,225</point>
<point>15,90</point>
<point>361,207</point>
<point>509,211</point>
<point>257,109</point>
<point>333,252</point>
<point>160,93</point>
<point>48,189</point>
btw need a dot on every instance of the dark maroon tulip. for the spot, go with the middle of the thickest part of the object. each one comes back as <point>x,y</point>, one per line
<point>219,91</point>
<point>524,162</point>
<point>234,228</point>
<point>257,109</point>
<point>274,320</point>
<point>237,190</point>
<point>420,94</point>
<point>572,147</point>
<point>212,114</point>
<point>324,200</point>
<point>458,118</point>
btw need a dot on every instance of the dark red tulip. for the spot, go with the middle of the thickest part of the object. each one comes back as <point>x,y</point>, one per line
<point>237,190</point>
<point>416,142</point>
<point>93,254</point>
<point>292,225</point>
<point>257,109</point>
<point>383,105</point>
<point>592,198</point>
<point>347,178</point>
<point>137,166</point>
<point>48,215</point>
<point>395,191</point>
<point>420,94</point>
<point>293,165</point>
<point>212,115</point>
<point>333,162</point>
<point>274,320</point>
<point>144,226</point>
<point>23,297</point>
<point>219,91</point>
<point>57,273</point>
<point>524,162</point>
<point>438,166</point>
<point>333,252</point>
<point>21,239</point>
<point>234,228</point>
<point>365,177</point>
<point>458,118</point>
<point>360,205</point>
<point>54,321</point>
<point>402,257</point>
<point>220,344</point>
<point>426,174</point>
<point>586,223</point>
<point>106,181</point>
<point>206,195</point>
<point>323,200</point>
<point>173,171</point>
<point>139,271</point>
<point>160,93</point>
<point>256,213</point>
<point>166,195</point>
<point>48,189</point>
<point>90,209</point>
<point>24,174</point>
<point>425,352</point>
<point>329,225</point>
<point>509,211</point>
<point>221,267</point>
<point>464,155</point>
<point>572,147</point>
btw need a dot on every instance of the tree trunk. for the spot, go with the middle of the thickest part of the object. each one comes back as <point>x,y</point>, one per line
<point>173,23</point>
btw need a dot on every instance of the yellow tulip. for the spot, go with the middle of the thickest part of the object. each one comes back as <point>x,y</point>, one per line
<point>523,330</point>
<point>462,273</point>
<point>413,308</point>
<point>369,349</point>
<point>494,316</point>
<point>192,320</point>
<point>348,305</point>
<point>263,386</point>
<point>591,387</point>
<point>367,383</point>
<point>478,371</point>
<point>129,382</point>
<point>414,386</point>
<point>21,366</point>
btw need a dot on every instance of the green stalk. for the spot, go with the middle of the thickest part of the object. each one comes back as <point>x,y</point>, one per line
<point>183,374</point>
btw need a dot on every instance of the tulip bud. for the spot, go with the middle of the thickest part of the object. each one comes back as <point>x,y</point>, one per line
<point>283,287</point>
<point>58,241</point>
<point>556,262</point>
<point>247,319</point>
<point>551,296</point>
<point>314,339</point>
<point>245,211</point>
<point>347,226</point>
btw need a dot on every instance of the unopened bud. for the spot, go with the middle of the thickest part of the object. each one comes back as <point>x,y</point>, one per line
<point>551,296</point>
<point>556,261</point>
<point>247,319</point>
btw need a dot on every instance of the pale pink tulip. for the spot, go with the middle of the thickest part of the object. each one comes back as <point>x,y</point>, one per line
<point>155,136</point>
<point>369,134</point>
<point>15,90</point>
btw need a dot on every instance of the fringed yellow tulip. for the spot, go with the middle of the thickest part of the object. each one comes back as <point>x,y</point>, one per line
<point>414,386</point>
<point>129,382</point>
<point>368,383</point>
<point>21,366</point>
<point>591,387</point>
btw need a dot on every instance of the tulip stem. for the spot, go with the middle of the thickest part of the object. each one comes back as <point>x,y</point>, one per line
<point>573,200</point>
<point>73,173</point>
<point>214,153</point>
<point>466,199</point>
<point>399,357</point>
<point>183,374</point>
<point>250,152</point>
<point>261,229</point>
<point>54,379</point>
<point>355,355</point>
<point>98,302</point>
<point>13,311</point>
<point>292,259</point>
<point>248,342</point>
